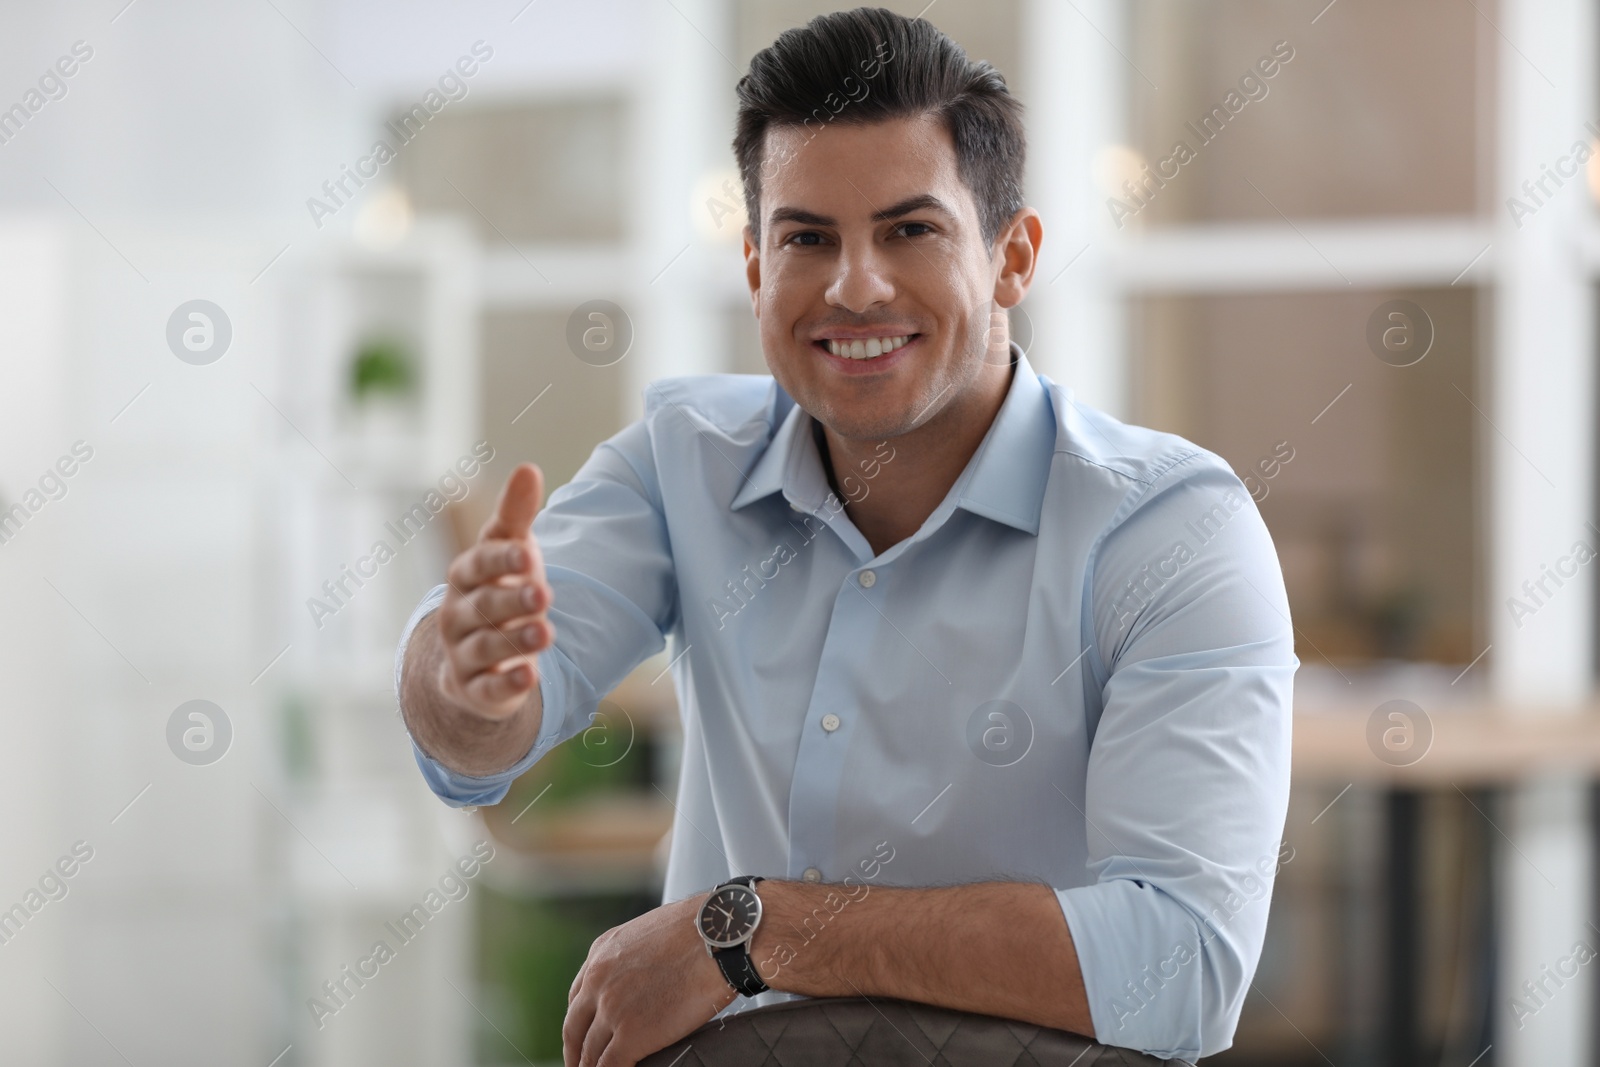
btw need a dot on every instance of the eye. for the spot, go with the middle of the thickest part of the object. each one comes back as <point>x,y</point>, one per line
<point>905,226</point>
<point>806,238</point>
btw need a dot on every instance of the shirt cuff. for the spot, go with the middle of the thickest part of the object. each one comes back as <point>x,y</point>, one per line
<point>1143,966</point>
<point>465,790</point>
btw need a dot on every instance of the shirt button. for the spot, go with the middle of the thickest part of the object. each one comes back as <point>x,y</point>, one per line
<point>868,579</point>
<point>812,875</point>
<point>830,722</point>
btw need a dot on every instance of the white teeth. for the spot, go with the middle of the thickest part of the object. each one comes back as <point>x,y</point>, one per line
<point>871,348</point>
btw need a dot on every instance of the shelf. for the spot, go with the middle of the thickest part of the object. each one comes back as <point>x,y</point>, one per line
<point>609,842</point>
<point>1485,745</point>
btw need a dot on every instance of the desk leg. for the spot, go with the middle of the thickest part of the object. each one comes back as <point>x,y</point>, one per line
<point>1401,1045</point>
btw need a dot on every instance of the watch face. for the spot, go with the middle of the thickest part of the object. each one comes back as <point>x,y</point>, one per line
<point>730,915</point>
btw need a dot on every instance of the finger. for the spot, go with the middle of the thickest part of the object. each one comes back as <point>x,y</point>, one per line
<point>617,1053</point>
<point>575,1030</point>
<point>487,648</point>
<point>518,504</point>
<point>497,687</point>
<point>595,1042</point>
<point>494,605</point>
<point>488,561</point>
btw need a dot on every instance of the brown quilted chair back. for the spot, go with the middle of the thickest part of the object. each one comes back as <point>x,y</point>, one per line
<point>857,1032</point>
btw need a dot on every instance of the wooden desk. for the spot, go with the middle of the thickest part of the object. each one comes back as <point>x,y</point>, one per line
<point>1471,746</point>
<point>1480,750</point>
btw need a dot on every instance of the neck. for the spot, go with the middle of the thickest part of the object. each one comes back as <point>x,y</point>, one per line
<point>890,488</point>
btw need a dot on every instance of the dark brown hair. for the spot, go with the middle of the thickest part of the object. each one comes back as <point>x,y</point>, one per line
<point>871,65</point>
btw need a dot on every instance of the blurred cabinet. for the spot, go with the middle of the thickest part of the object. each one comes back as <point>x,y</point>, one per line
<point>1366,473</point>
<point>1368,108</point>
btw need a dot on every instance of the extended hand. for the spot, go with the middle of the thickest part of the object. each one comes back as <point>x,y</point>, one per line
<point>495,615</point>
<point>646,984</point>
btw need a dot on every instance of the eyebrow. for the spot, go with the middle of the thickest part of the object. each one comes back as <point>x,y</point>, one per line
<point>918,202</point>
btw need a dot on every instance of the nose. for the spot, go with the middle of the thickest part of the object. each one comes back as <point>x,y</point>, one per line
<point>860,280</point>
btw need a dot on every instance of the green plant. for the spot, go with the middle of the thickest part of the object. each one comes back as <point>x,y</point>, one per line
<point>1398,618</point>
<point>382,365</point>
<point>529,949</point>
<point>298,738</point>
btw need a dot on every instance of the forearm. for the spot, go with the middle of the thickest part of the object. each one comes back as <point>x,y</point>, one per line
<point>461,739</point>
<point>994,948</point>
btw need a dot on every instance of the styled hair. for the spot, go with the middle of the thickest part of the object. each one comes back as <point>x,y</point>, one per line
<point>872,65</point>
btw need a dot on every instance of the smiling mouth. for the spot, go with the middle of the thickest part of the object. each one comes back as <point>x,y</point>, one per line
<point>866,347</point>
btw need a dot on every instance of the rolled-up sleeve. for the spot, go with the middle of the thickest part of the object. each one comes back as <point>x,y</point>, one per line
<point>609,563</point>
<point>1188,776</point>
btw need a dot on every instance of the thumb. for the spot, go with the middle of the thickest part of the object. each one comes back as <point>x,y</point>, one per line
<point>518,504</point>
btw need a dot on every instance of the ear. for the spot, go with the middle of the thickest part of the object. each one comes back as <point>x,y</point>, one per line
<point>752,270</point>
<point>1017,254</point>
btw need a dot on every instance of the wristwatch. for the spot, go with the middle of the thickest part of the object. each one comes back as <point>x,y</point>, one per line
<point>727,921</point>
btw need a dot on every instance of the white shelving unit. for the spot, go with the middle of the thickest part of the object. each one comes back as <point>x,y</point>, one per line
<point>381,841</point>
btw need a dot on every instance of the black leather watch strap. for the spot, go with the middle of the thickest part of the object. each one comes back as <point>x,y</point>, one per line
<point>737,965</point>
<point>740,970</point>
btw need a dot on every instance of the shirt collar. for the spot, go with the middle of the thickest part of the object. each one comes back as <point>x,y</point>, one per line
<point>1004,481</point>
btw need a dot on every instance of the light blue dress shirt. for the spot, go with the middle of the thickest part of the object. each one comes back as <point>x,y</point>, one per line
<point>1078,672</point>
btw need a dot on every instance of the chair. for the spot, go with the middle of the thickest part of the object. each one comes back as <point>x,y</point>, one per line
<point>858,1032</point>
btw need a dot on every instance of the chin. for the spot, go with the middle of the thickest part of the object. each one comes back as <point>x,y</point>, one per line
<point>857,425</point>
<point>848,414</point>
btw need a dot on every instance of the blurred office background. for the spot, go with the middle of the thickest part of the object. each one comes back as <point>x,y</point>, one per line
<point>1368,283</point>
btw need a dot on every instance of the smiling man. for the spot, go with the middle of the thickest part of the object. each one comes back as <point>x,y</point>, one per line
<point>985,694</point>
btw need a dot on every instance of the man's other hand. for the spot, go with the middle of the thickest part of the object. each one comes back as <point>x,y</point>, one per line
<point>646,984</point>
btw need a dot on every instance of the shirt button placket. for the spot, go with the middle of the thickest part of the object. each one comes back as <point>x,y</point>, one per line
<point>826,761</point>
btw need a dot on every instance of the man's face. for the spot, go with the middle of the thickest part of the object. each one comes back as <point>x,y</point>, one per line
<point>870,235</point>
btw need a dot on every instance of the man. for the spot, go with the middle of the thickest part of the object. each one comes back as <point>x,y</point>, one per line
<point>991,689</point>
